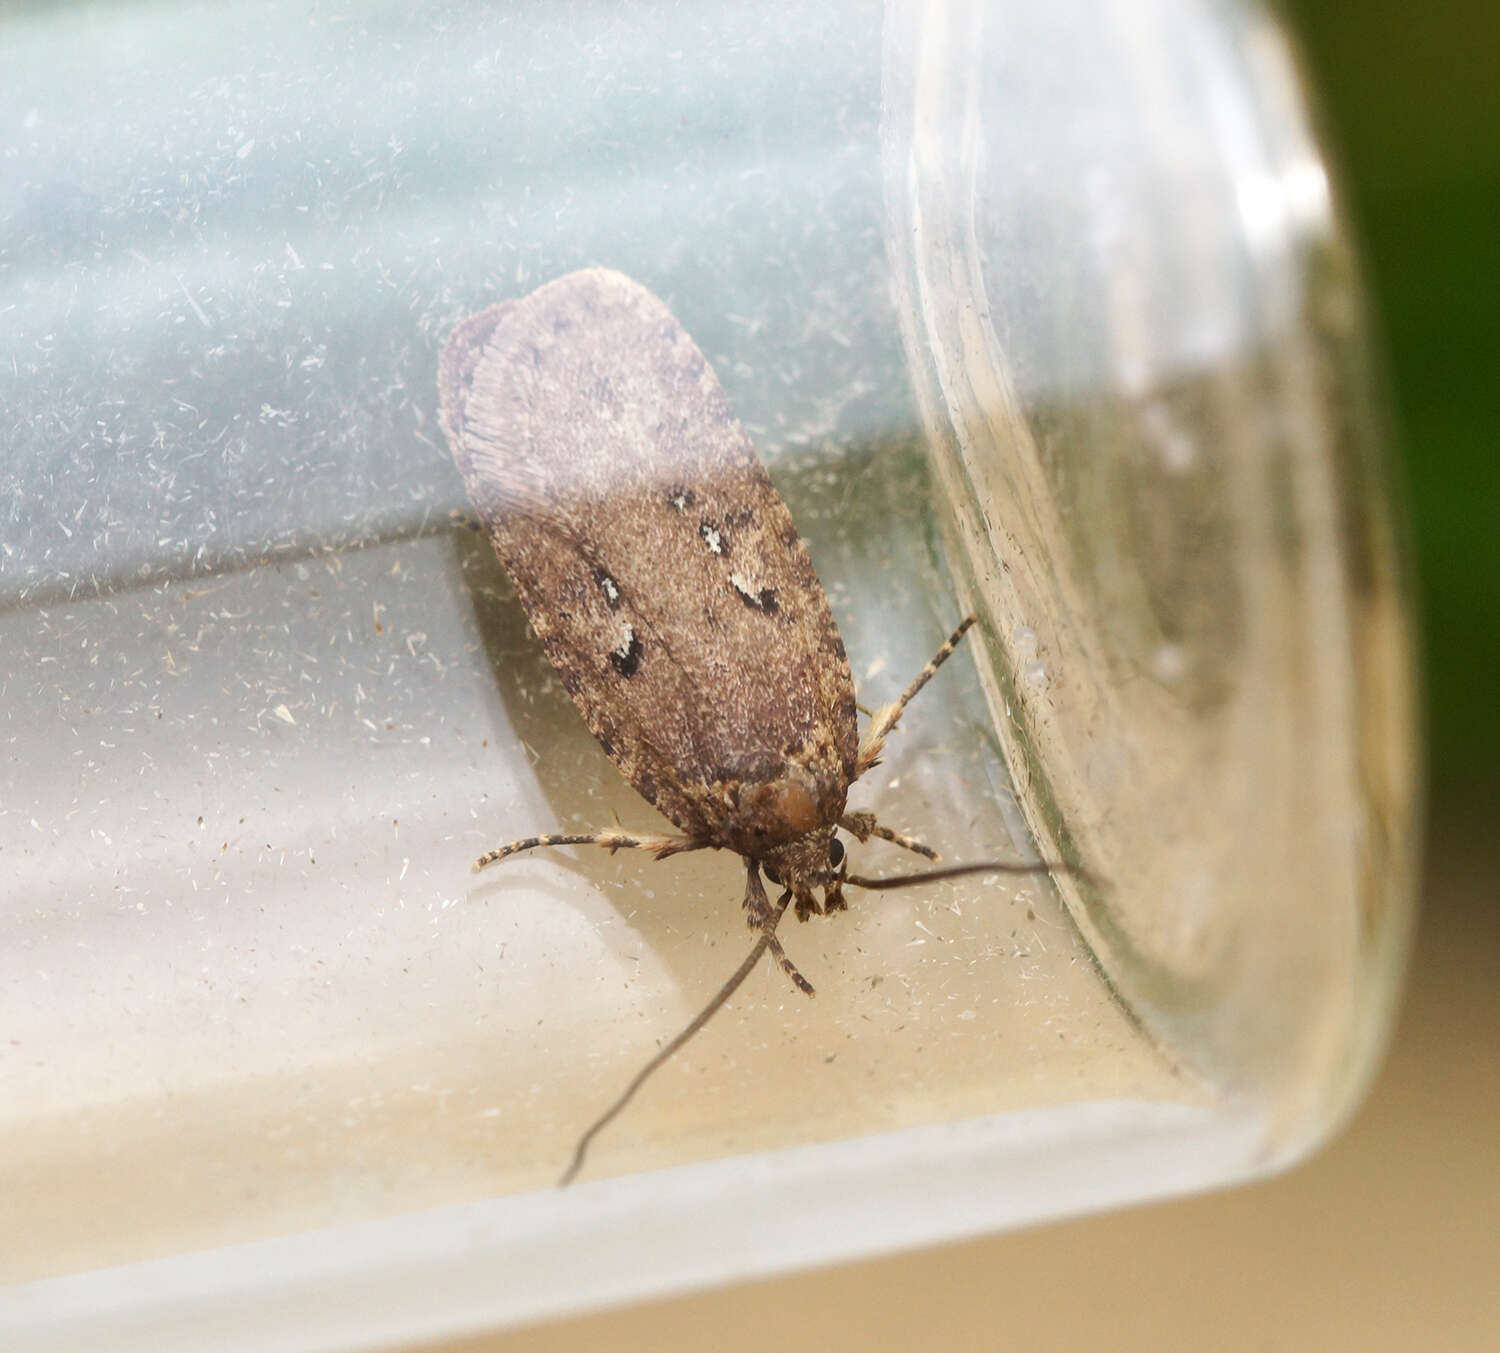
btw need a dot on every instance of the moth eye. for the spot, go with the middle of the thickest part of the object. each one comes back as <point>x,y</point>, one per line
<point>772,875</point>
<point>835,852</point>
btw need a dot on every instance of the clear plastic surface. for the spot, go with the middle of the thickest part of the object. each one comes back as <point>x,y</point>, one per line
<point>1043,312</point>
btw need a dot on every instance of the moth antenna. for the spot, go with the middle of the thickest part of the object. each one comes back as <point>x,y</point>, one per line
<point>766,940</point>
<point>959,870</point>
<point>612,839</point>
<point>888,716</point>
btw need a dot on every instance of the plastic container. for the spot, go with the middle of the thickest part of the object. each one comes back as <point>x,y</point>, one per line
<point>1039,311</point>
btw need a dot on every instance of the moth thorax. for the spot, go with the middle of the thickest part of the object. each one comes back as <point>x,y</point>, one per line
<point>790,801</point>
<point>791,805</point>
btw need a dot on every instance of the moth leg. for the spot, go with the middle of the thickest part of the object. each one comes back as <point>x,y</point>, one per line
<point>612,839</point>
<point>862,826</point>
<point>833,899</point>
<point>762,916</point>
<point>888,716</point>
<point>786,964</point>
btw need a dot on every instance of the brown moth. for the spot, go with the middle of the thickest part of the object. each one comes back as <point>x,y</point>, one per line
<point>668,585</point>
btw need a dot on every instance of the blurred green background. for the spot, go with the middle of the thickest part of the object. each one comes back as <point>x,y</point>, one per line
<point>1411,100</point>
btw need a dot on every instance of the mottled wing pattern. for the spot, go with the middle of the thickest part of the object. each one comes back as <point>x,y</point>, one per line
<point>659,567</point>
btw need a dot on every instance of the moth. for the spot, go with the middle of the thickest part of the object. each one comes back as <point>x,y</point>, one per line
<point>668,585</point>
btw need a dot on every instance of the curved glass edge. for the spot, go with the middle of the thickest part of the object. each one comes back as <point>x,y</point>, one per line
<point>1140,350</point>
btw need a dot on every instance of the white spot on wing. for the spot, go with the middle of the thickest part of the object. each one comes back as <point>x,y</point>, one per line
<point>712,538</point>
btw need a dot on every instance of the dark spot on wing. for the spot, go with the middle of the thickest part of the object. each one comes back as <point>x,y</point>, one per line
<point>626,660</point>
<point>763,600</point>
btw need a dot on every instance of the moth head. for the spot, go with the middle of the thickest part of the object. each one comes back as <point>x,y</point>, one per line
<point>811,862</point>
<point>787,822</point>
<point>833,882</point>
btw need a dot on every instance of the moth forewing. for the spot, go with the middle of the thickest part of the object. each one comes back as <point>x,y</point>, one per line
<point>657,563</point>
